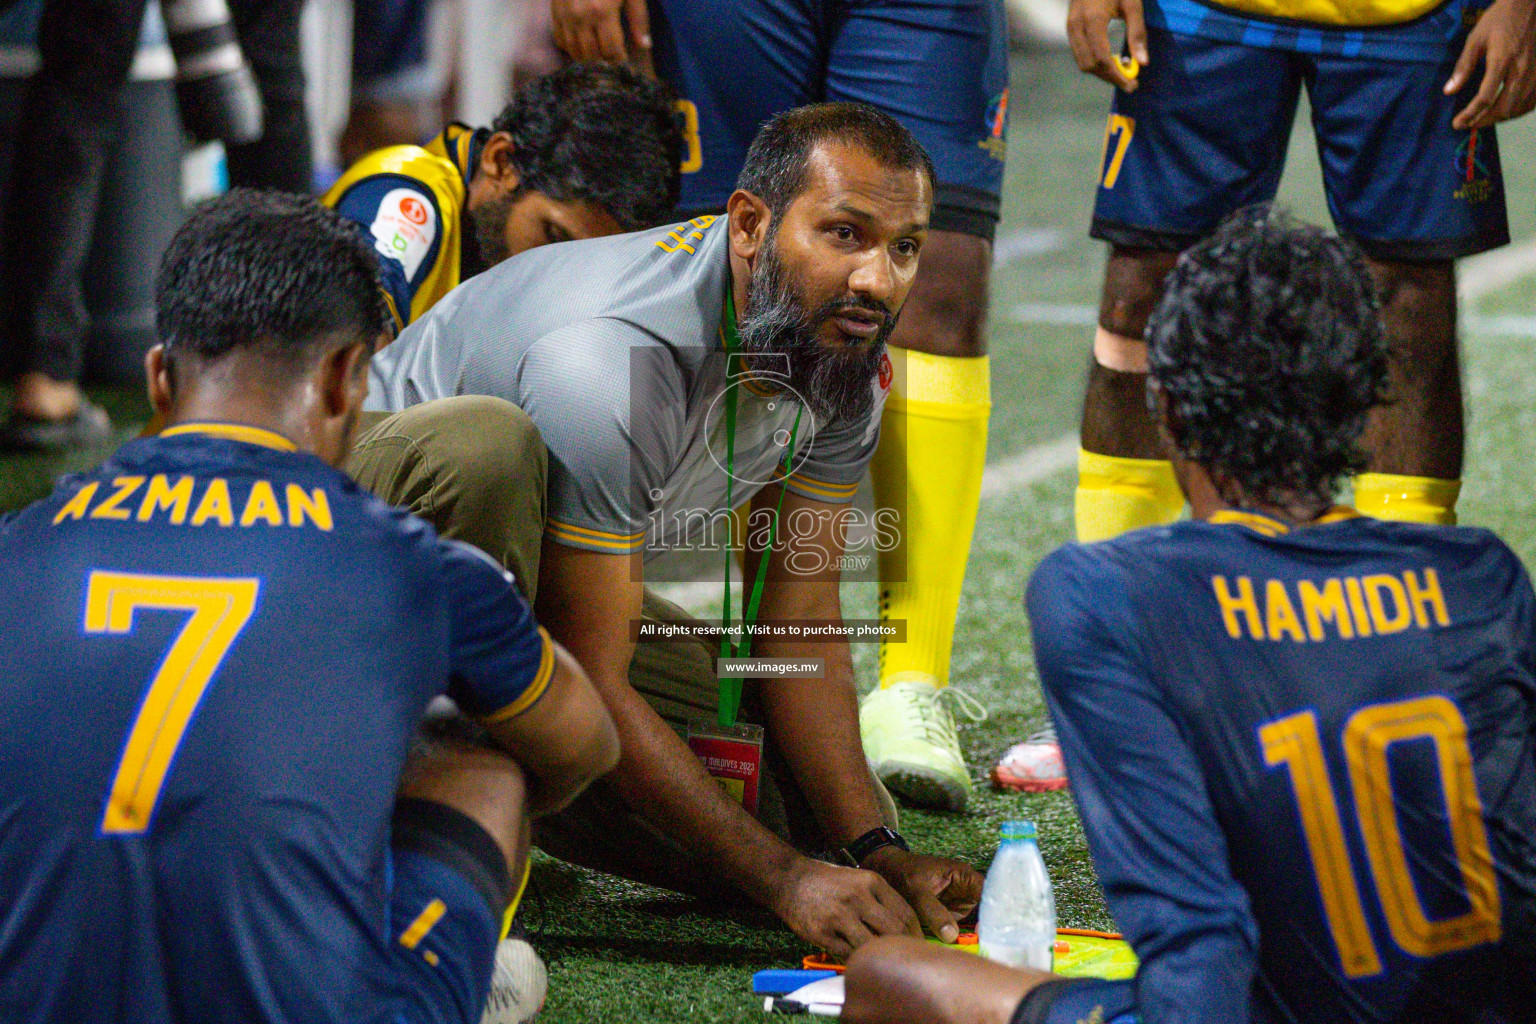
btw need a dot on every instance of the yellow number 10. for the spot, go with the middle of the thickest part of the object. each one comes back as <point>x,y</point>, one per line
<point>1295,743</point>
<point>220,608</point>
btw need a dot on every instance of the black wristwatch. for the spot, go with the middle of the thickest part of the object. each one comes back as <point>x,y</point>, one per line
<point>855,852</point>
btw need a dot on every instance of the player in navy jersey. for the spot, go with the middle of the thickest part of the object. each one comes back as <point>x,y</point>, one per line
<point>1301,739</point>
<point>216,652</point>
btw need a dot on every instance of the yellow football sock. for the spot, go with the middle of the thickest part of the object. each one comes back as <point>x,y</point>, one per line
<point>1116,495</point>
<point>933,448</point>
<point>510,913</point>
<point>1409,499</point>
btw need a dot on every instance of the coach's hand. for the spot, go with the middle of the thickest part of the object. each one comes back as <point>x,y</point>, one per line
<point>1088,33</point>
<point>840,909</point>
<point>594,29</point>
<point>941,889</point>
<point>1504,40</point>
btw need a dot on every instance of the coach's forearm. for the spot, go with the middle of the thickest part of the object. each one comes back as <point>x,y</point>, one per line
<point>662,780</point>
<point>815,723</point>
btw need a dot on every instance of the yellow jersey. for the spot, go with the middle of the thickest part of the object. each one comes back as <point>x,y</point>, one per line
<point>411,201</point>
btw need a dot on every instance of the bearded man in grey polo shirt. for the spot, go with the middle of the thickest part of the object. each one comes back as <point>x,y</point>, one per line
<point>586,405</point>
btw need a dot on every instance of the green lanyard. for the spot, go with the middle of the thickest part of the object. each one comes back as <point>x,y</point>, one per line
<point>730,689</point>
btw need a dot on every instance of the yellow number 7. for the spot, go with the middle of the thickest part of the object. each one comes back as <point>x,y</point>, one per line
<point>220,608</point>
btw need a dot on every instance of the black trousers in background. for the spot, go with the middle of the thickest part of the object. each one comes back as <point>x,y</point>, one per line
<point>71,118</point>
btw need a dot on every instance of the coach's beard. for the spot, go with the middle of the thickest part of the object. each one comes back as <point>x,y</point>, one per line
<point>835,382</point>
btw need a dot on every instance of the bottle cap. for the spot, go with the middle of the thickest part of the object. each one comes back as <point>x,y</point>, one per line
<point>1019,830</point>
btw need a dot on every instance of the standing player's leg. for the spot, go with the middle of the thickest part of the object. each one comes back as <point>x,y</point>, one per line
<point>1415,194</point>
<point>1123,480</point>
<point>934,432</point>
<point>1204,134</point>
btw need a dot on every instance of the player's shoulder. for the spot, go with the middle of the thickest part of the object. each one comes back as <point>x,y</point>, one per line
<point>396,166</point>
<point>1082,581</point>
<point>1106,561</point>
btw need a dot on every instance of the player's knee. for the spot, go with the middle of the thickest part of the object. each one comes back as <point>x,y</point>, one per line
<point>458,768</point>
<point>1133,283</point>
<point>495,446</point>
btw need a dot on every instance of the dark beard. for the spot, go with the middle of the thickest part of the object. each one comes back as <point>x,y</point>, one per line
<point>490,220</point>
<point>776,328</point>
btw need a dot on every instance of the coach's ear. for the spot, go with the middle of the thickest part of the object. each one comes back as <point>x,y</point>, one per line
<point>749,218</point>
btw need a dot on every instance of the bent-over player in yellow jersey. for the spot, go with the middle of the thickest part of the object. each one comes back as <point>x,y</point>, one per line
<point>589,150</point>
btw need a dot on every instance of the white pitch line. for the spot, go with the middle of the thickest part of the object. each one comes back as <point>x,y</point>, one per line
<point>1033,464</point>
<point>1028,242</point>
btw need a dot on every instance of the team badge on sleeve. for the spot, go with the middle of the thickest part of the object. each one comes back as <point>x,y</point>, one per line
<point>404,228</point>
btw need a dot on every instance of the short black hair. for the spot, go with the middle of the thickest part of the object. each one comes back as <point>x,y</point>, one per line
<point>598,133</point>
<point>774,169</point>
<point>1268,350</point>
<point>271,270</point>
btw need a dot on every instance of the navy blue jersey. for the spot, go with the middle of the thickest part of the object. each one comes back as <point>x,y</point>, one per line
<point>215,652</point>
<point>1304,762</point>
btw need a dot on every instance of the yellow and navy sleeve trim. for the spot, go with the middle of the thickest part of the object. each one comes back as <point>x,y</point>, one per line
<point>818,490</point>
<point>595,540</point>
<point>234,432</point>
<point>535,690</point>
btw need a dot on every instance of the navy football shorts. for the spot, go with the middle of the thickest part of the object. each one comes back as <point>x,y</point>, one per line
<point>1206,134</point>
<point>389,51</point>
<point>448,880</point>
<point>1076,1000</point>
<point>940,67</point>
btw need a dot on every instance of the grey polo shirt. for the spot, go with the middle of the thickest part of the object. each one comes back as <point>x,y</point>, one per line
<point>615,348</point>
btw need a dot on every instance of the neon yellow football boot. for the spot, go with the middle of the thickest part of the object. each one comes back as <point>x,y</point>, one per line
<point>910,741</point>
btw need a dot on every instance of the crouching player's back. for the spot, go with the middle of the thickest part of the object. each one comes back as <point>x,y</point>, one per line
<point>1308,757</point>
<point>1304,741</point>
<point>216,651</point>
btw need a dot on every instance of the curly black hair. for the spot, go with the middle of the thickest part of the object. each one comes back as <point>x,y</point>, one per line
<point>271,270</point>
<point>598,133</point>
<point>1266,352</point>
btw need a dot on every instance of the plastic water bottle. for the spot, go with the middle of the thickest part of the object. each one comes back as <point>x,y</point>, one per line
<point>1018,910</point>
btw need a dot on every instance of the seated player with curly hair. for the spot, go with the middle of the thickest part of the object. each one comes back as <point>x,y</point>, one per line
<point>1301,739</point>
<point>589,150</point>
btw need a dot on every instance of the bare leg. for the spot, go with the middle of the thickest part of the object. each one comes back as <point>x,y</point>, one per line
<point>1419,432</point>
<point>908,981</point>
<point>946,311</point>
<point>1115,417</point>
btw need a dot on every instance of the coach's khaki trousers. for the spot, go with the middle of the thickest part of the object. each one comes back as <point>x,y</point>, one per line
<point>476,469</point>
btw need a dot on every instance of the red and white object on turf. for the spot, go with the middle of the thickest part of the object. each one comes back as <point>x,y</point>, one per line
<point>1034,766</point>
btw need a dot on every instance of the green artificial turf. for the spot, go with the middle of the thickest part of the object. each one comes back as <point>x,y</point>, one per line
<point>623,952</point>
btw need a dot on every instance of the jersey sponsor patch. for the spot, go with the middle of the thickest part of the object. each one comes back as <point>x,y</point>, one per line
<point>404,228</point>
<point>880,386</point>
